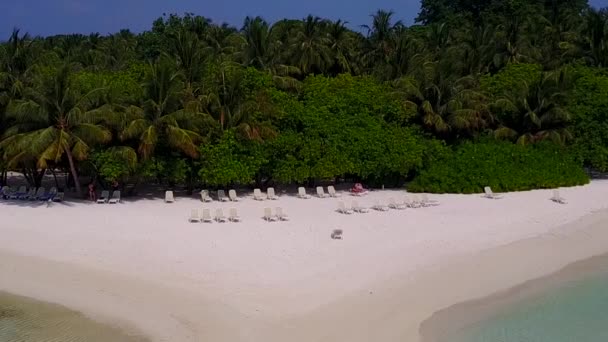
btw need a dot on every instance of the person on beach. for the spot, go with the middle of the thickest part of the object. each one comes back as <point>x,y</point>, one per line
<point>115,185</point>
<point>92,195</point>
<point>358,189</point>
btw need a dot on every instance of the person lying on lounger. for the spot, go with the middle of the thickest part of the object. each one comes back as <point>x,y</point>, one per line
<point>358,189</point>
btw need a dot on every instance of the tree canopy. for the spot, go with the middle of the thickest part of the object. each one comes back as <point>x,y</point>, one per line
<point>190,101</point>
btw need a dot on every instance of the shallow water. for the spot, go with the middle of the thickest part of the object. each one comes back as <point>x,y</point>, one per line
<point>26,320</point>
<point>570,306</point>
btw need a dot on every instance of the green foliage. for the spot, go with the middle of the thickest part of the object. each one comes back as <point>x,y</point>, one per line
<point>509,78</point>
<point>109,167</point>
<point>230,161</point>
<point>501,165</point>
<point>589,105</point>
<point>166,169</point>
<point>340,128</point>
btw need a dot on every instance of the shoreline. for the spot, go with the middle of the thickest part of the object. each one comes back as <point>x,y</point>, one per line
<point>175,281</point>
<point>464,314</point>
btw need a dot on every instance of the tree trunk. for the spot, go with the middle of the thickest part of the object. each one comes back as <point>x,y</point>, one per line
<point>68,153</point>
<point>55,178</point>
<point>38,177</point>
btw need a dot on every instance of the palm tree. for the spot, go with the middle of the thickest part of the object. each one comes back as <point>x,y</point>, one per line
<point>341,43</point>
<point>381,37</point>
<point>52,120</point>
<point>310,46</point>
<point>162,118</point>
<point>444,105</point>
<point>596,36</point>
<point>535,111</point>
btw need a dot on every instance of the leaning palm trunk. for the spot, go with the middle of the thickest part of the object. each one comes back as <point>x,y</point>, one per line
<point>68,153</point>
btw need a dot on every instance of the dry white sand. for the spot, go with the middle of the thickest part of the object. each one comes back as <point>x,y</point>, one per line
<point>141,265</point>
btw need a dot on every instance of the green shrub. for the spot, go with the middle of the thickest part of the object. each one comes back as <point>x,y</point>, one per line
<point>501,165</point>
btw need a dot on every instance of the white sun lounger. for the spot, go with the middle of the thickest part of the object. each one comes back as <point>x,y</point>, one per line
<point>320,192</point>
<point>302,193</point>
<point>232,195</point>
<point>219,215</point>
<point>207,215</point>
<point>268,215</point>
<point>271,194</point>
<point>426,201</point>
<point>343,209</point>
<point>115,197</point>
<point>169,196</point>
<point>205,196</point>
<point>359,209</point>
<point>332,191</point>
<point>40,193</point>
<point>280,214</point>
<point>257,195</point>
<point>194,216</point>
<point>221,196</point>
<point>105,197</point>
<point>410,203</point>
<point>557,198</point>
<point>490,194</point>
<point>30,194</point>
<point>233,215</point>
<point>380,207</point>
<point>394,205</point>
<point>20,192</point>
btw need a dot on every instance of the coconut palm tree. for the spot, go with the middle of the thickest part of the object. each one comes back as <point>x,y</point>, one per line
<point>535,110</point>
<point>310,46</point>
<point>162,116</point>
<point>54,119</point>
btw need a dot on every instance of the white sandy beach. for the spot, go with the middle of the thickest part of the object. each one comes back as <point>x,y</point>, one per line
<point>141,265</point>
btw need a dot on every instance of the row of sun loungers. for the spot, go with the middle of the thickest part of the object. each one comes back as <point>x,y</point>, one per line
<point>33,194</point>
<point>557,198</point>
<point>414,202</point>
<point>105,197</point>
<point>205,215</point>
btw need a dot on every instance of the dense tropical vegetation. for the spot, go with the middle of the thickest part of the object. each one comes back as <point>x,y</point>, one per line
<point>512,94</point>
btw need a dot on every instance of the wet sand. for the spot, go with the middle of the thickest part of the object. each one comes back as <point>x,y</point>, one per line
<point>25,319</point>
<point>446,323</point>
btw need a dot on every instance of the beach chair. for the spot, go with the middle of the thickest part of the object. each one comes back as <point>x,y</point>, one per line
<point>557,198</point>
<point>280,214</point>
<point>320,192</point>
<point>380,207</point>
<point>268,215</point>
<point>58,197</point>
<point>271,194</point>
<point>336,234</point>
<point>416,202</point>
<point>7,191</point>
<point>194,217</point>
<point>359,209</point>
<point>232,195</point>
<point>302,193</point>
<point>257,195</point>
<point>115,197</point>
<point>39,194</point>
<point>342,209</point>
<point>206,217</point>
<point>394,205</point>
<point>20,192</point>
<point>31,193</point>
<point>219,215</point>
<point>105,196</point>
<point>49,195</point>
<point>488,193</point>
<point>221,196</point>
<point>205,196</point>
<point>169,196</point>
<point>332,191</point>
<point>408,202</point>
<point>426,201</point>
<point>233,215</point>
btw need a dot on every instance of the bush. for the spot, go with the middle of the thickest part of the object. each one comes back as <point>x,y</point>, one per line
<point>503,166</point>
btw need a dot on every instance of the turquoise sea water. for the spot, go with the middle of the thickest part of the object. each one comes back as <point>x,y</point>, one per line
<point>26,320</point>
<point>568,308</point>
